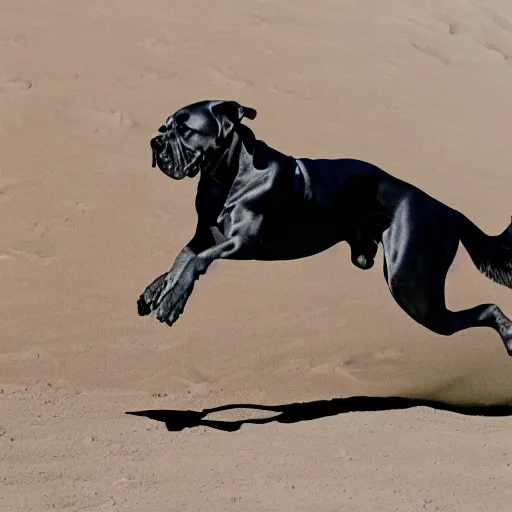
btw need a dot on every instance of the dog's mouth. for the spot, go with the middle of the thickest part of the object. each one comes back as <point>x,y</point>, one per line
<point>173,158</point>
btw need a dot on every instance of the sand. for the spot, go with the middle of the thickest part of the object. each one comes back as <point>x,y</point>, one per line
<point>421,89</point>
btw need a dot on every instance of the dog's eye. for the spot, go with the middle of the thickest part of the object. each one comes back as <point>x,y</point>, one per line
<point>183,129</point>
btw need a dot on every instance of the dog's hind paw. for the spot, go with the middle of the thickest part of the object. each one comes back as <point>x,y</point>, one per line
<point>507,340</point>
<point>504,327</point>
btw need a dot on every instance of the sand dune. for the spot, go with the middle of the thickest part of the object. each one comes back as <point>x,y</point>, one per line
<point>421,89</point>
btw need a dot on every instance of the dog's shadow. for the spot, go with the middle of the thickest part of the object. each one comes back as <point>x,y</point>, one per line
<point>176,420</point>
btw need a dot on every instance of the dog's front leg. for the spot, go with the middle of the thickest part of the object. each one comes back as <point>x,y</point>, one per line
<point>163,283</point>
<point>171,305</point>
<point>155,291</point>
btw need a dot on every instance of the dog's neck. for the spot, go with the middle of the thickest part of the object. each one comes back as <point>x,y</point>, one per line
<point>245,153</point>
<point>216,168</point>
<point>223,168</point>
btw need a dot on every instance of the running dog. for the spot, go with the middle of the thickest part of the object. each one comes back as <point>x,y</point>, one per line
<point>256,203</point>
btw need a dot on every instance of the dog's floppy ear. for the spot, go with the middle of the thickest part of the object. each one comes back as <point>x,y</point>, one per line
<point>248,112</point>
<point>229,114</point>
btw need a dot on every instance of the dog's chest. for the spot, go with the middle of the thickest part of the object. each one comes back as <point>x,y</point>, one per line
<point>210,201</point>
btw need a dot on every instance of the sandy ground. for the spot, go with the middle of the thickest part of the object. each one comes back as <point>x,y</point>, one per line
<point>420,88</point>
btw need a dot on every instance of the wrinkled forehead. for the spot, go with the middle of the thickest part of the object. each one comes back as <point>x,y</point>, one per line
<point>197,116</point>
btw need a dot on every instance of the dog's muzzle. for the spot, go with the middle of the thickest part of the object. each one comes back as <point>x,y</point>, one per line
<point>155,149</point>
<point>173,159</point>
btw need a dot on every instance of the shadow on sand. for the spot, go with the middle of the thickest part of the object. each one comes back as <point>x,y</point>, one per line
<point>176,420</point>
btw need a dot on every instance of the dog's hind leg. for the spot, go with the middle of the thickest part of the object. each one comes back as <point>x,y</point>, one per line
<point>419,248</point>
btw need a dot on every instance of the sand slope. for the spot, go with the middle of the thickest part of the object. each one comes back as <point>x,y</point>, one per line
<point>421,89</point>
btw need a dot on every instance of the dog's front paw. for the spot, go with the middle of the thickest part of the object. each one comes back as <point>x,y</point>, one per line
<point>143,307</point>
<point>172,304</point>
<point>147,301</point>
<point>167,295</point>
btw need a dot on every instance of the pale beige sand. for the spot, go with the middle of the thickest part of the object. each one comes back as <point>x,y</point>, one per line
<point>420,88</point>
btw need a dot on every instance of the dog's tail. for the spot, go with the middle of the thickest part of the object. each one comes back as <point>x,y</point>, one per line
<point>492,255</point>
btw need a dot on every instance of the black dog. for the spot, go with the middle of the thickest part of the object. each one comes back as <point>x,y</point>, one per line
<point>255,203</point>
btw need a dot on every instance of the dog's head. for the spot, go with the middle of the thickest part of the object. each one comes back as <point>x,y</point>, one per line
<point>194,135</point>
